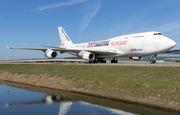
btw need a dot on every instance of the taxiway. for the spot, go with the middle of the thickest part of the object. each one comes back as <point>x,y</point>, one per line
<point>83,62</point>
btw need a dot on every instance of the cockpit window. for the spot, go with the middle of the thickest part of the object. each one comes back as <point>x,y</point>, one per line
<point>157,34</point>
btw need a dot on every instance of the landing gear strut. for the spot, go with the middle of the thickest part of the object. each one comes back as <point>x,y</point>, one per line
<point>153,60</point>
<point>114,60</point>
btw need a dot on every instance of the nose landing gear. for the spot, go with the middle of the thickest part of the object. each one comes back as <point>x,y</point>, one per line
<point>153,60</point>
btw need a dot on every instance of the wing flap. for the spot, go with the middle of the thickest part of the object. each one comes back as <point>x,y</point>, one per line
<point>50,46</point>
<point>103,51</point>
<point>93,51</point>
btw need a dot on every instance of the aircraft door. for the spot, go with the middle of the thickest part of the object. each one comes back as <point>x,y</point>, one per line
<point>135,45</point>
<point>126,47</point>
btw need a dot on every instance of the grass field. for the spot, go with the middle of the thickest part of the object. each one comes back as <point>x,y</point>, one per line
<point>152,85</point>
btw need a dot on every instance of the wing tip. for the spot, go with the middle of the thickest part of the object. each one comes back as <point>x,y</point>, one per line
<point>7,47</point>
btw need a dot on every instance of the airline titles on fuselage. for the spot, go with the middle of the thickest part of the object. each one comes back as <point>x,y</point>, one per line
<point>105,43</point>
<point>102,43</point>
<point>98,44</point>
<point>118,43</point>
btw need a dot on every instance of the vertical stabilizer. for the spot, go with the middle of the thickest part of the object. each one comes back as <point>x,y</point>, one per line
<point>65,40</point>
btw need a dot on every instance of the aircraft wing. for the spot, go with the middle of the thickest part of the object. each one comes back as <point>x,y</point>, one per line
<point>42,49</point>
<point>69,50</point>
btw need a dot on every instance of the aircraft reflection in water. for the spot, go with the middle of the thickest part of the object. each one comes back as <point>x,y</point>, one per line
<point>65,105</point>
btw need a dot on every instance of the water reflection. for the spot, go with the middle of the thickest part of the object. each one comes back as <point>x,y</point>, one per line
<point>65,105</point>
<point>38,100</point>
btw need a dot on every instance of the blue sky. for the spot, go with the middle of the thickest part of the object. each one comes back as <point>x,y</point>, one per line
<point>32,23</point>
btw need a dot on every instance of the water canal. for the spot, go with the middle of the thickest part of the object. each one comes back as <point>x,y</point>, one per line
<point>20,99</point>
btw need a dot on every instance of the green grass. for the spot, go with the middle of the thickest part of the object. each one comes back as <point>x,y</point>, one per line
<point>151,82</point>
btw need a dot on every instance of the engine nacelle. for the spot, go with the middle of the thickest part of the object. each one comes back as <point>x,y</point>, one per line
<point>50,54</point>
<point>87,55</point>
<point>136,58</point>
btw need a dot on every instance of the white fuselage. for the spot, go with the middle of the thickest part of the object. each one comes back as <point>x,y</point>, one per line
<point>132,45</point>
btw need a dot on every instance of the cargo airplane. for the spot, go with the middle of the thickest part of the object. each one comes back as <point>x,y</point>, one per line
<point>134,46</point>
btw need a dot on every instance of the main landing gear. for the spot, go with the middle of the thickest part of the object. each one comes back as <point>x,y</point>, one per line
<point>153,60</point>
<point>98,60</point>
<point>114,60</point>
<point>101,60</point>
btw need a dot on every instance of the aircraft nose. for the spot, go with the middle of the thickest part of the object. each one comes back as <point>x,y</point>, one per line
<point>172,43</point>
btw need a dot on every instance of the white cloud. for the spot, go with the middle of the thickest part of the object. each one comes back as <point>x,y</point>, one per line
<point>71,2</point>
<point>93,9</point>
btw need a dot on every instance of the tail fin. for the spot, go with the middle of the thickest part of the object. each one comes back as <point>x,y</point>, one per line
<point>65,40</point>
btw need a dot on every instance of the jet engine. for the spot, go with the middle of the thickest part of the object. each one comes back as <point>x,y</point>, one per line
<point>86,55</point>
<point>50,54</point>
<point>136,58</point>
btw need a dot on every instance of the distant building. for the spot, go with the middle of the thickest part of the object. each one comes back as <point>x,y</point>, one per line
<point>169,56</point>
<point>176,51</point>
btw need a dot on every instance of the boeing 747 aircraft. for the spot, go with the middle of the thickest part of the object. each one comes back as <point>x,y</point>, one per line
<point>134,46</point>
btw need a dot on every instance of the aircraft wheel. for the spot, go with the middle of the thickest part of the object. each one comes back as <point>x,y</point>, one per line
<point>114,61</point>
<point>152,61</point>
